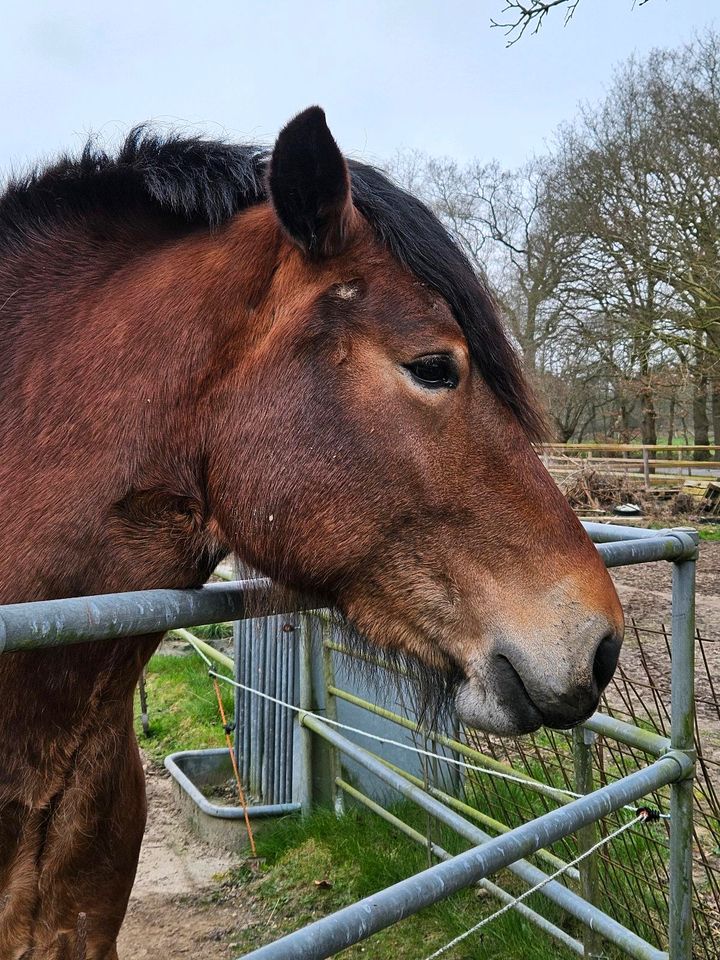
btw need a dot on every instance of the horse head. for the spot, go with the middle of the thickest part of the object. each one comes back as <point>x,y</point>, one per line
<point>376,448</point>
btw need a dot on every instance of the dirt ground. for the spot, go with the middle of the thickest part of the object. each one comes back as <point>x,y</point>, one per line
<point>645,591</point>
<point>175,910</point>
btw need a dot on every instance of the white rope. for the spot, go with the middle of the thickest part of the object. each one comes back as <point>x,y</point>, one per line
<point>388,740</point>
<point>538,886</point>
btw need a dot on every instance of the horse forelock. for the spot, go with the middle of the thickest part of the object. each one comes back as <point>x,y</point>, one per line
<point>193,182</point>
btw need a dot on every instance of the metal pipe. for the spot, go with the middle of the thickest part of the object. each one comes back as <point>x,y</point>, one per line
<point>527,912</point>
<point>611,532</point>
<point>282,693</point>
<point>583,741</point>
<point>614,729</point>
<point>256,704</point>
<point>268,710</point>
<point>302,756</point>
<point>682,737</point>
<point>210,652</point>
<point>672,546</point>
<point>326,629</point>
<point>256,811</point>
<point>237,692</point>
<point>55,623</point>
<point>246,627</point>
<point>352,924</point>
<point>289,714</point>
<point>287,697</point>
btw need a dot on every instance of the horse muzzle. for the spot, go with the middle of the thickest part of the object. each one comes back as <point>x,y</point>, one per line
<point>512,691</point>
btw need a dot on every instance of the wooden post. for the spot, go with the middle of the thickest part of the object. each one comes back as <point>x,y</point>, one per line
<point>646,468</point>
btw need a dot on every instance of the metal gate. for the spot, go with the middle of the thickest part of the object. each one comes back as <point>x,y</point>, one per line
<point>58,622</point>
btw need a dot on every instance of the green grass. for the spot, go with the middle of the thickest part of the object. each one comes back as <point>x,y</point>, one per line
<point>318,865</point>
<point>709,531</point>
<point>214,631</point>
<point>182,707</point>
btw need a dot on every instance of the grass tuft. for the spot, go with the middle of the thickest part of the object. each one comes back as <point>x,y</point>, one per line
<point>182,707</point>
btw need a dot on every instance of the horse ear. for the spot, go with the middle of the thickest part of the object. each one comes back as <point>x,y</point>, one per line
<point>309,185</point>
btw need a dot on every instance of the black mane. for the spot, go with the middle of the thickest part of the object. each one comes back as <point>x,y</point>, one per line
<point>203,182</point>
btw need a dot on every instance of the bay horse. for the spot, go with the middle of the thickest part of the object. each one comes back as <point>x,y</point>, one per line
<point>210,348</point>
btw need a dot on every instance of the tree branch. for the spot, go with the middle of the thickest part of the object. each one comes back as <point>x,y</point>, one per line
<point>530,13</point>
<point>524,14</point>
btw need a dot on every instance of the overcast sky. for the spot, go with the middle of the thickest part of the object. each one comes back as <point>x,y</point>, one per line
<point>426,74</point>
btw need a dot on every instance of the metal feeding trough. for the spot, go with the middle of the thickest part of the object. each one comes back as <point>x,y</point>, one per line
<point>628,510</point>
<point>195,770</point>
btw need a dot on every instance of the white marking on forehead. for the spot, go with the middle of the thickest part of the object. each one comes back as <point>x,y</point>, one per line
<point>346,291</point>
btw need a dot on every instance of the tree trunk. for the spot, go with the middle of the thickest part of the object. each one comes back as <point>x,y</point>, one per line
<point>649,417</point>
<point>622,423</point>
<point>671,421</point>
<point>713,372</point>
<point>701,424</point>
<point>564,429</point>
<point>715,407</point>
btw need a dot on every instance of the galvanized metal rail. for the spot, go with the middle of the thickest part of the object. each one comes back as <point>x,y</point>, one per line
<point>357,922</point>
<point>57,623</point>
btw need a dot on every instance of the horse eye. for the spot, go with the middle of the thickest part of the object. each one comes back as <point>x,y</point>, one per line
<point>437,372</point>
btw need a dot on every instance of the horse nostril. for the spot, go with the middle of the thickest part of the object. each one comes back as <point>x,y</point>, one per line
<point>606,658</point>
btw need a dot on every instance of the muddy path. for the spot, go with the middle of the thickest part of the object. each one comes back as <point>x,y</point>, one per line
<point>178,907</point>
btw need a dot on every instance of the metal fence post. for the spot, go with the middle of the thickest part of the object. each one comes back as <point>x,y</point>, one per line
<point>682,737</point>
<point>335,769</point>
<point>302,740</point>
<point>583,742</point>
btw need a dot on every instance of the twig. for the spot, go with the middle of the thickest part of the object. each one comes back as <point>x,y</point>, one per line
<point>532,12</point>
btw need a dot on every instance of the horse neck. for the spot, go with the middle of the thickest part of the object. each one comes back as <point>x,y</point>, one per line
<point>109,352</point>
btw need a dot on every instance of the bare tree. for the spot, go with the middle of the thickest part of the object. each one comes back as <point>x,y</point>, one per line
<point>521,15</point>
<point>605,254</point>
<point>642,187</point>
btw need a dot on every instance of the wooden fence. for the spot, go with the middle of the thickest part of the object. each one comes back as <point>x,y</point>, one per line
<point>619,459</point>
